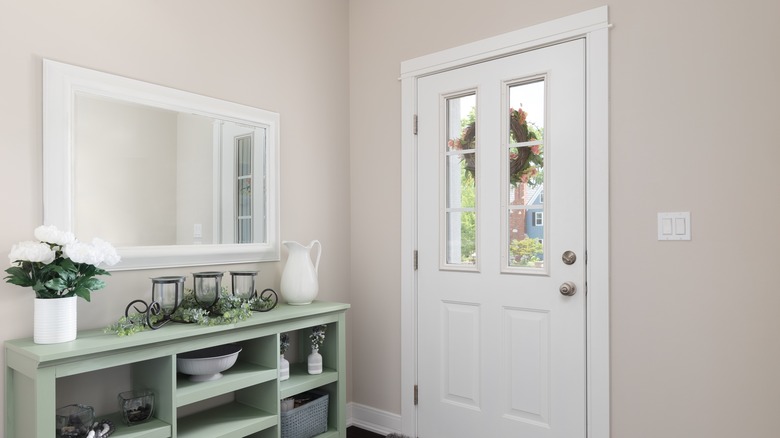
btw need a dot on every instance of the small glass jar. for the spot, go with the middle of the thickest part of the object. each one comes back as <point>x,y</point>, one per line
<point>74,421</point>
<point>136,406</point>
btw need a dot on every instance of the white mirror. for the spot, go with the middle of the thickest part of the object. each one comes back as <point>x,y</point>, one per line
<point>170,177</point>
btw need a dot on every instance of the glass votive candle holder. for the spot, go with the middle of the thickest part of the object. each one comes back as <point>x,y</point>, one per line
<point>243,283</point>
<point>74,421</point>
<point>168,292</point>
<point>206,288</point>
<point>136,406</point>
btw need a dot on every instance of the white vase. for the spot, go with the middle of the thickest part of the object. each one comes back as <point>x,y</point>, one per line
<point>299,279</point>
<point>315,362</point>
<point>284,368</point>
<point>54,320</point>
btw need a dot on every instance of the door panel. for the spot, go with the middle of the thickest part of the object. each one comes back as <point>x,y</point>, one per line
<point>526,365</point>
<point>501,352</point>
<point>461,344</point>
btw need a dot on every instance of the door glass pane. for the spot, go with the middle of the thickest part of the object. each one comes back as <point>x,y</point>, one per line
<point>243,214</point>
<point>244,230</point>
<point>460,180</point>
<point>525,170</point>
<point>244,197</point>
<point>461,238</point>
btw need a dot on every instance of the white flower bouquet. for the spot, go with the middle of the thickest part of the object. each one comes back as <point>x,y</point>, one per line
<point>58,265</point>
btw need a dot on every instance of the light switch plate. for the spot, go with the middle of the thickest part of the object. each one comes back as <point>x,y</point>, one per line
<point>674,226</point>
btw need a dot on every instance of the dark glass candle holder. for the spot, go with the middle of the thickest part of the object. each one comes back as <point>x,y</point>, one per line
<point>167,295</point>
<point>168,292</point>
<point>207,287</point>
<point>243,284</point>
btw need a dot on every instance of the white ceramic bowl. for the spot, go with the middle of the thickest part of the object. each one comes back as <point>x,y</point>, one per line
<point>208,363</point>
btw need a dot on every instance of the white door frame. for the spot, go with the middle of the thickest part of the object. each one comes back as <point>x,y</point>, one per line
<point>592,25</point>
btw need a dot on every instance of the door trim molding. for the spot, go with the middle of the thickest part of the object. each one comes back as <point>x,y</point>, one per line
<point>592,25</point>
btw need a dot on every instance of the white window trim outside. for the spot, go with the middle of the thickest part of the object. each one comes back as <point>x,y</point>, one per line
<point>538,218</point>
<point>593,26</point>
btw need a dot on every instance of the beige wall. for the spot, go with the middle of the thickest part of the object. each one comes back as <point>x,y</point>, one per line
<point>195,178</point>
<point>693,106</point>
<point>134,202</point>
<point>288,57</point>
<point>694,90</point>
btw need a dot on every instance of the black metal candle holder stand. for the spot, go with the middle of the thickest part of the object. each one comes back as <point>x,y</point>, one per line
<point>159,299</point>
<point>266,294</point>
<point>242,281</point>
<point>150,309</point>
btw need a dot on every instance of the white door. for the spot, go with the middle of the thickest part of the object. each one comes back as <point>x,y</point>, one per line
<point>501,199</point>
<point>241,209</point>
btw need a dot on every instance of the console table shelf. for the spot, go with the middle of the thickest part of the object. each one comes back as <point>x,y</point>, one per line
<point>241,375</point>
<point>300,380</point>
<point>32,370</point>
<point>227,421</point>
<point>153,428</point>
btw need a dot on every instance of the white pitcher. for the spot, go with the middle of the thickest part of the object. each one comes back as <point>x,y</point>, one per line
<point>299,284</point>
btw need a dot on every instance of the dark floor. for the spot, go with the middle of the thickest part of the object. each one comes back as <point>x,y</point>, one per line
<point>354,432</point>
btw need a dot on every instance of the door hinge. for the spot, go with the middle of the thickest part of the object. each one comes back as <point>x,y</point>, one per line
<point>415,395</point>
<point>414,125</point>
<point>415,259</point>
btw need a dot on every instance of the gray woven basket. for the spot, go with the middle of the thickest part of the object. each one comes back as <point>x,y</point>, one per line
<point>307,420</point>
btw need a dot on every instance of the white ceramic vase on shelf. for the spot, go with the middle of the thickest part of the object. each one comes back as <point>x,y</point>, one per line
<point>315,362</point>
<point>299,279</point>
<point>54,320</point>
<point>284,368</point>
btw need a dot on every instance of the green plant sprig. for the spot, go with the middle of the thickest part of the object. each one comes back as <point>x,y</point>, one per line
<point>284,343</point>
<point>317,336</point>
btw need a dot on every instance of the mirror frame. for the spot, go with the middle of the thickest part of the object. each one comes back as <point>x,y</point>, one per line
<point>62,81</point>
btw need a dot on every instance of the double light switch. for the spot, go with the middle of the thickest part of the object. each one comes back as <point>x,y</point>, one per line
<point>674,226</point>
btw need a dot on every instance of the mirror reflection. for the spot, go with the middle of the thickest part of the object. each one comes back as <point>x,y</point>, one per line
<point>151,176</point>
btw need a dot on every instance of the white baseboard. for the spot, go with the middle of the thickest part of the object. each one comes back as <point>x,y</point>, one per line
<point>374,420</point>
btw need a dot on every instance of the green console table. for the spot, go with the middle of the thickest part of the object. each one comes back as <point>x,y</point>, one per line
<point>31,373</point>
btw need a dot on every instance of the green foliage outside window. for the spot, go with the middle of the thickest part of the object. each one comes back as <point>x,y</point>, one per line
<point>525,252</point>
<point>468,222</point>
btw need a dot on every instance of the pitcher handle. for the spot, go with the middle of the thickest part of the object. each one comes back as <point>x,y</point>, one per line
<point>319,253</point>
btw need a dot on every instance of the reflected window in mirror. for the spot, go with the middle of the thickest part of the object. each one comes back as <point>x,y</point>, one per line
<point>247,215</point>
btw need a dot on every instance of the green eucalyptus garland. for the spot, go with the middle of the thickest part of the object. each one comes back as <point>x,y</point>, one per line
<point>229,309</point>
